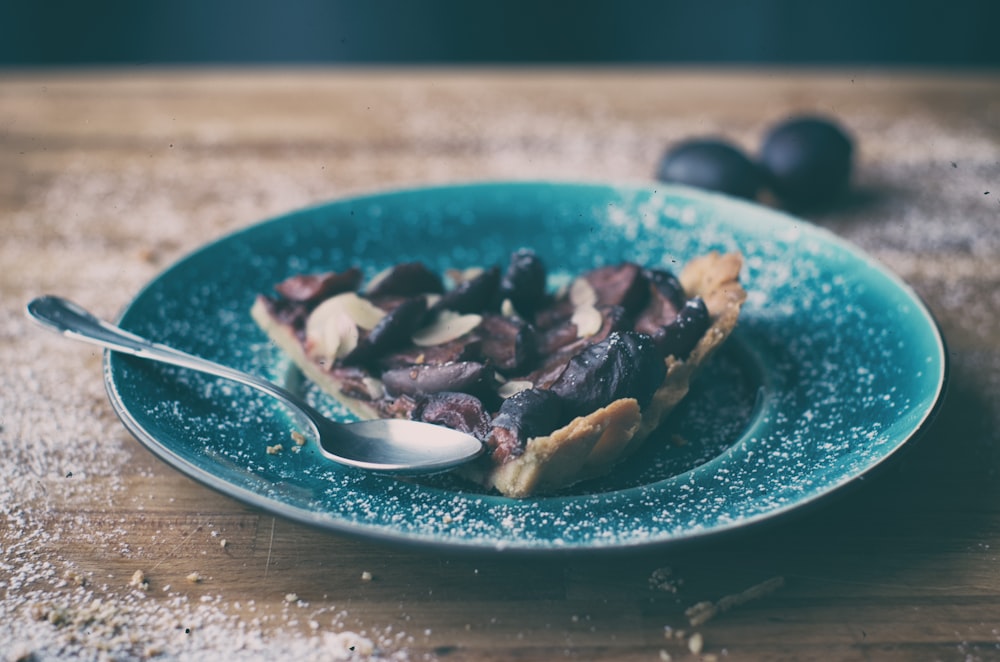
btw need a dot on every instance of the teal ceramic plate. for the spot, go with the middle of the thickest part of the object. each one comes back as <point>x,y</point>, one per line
<point>835,365</point>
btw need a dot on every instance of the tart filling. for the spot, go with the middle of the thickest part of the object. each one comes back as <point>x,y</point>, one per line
<point>560,385</point>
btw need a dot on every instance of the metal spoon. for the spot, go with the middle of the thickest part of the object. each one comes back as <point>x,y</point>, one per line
<point>384,445</point>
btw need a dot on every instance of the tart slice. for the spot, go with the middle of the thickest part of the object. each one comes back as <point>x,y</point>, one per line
<point>560,386</point>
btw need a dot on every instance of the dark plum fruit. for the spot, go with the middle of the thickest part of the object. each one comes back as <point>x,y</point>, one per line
<point>807,161</point>
<point>509,343</point>
<point>711,164</point>
<point>406,279</point>
<point>623,365</point>
<point>472,296</point>
<point>426,379</point>
<point>524,282</point>
<point>458,411</point>
<point>392,331</point>
<point>529,413</point>
<point>533,412</point>
<point>666,285</point>
<point>680,337</point>
<point>622,285</point>
<point>313,288</point>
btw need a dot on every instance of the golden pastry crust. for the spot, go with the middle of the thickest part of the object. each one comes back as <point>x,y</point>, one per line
<point>589,445</point>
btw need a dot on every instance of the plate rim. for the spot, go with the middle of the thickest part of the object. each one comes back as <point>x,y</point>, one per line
<point>428,540</point>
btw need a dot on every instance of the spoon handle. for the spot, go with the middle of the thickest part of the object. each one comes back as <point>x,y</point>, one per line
<point>75,322</point>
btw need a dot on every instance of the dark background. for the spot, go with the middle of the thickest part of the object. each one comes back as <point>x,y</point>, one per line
<point>788,32</point>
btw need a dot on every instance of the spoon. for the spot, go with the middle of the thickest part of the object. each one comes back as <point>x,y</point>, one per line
<point>395,446</point>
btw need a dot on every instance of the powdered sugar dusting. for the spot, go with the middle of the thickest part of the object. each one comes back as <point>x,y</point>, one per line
<point>61,479</point>
<point>52,609</point>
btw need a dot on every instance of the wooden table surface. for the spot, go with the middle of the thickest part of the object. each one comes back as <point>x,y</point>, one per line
<point>106,553</point>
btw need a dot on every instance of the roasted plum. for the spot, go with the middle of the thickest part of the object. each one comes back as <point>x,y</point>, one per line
<point>508,343</point>
<point>563,342</point>
<point>467,348</point>
<point>680,337</point>
<point>391,332</point>
<point>666,298</point>
<point>420,380</point>
<point>526,414</point>
<point>619,285</point>
<point>666,284</point>
<point>523,284</point>
<point>405,280</point>
<point>624,365</point>
<point>310,288</point>
<point>472,296</point>
<point>459,411</point>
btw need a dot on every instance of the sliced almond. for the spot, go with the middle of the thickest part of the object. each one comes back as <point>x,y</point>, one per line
<point>507,308</point>
<point>447,327</point>
<point>459,276</point>
<point>377,279</point>
<point>375,387</point>
<point>364,313</point>
<point>332,328</point>
<point>513,386</point>
<point>588,321</point>
<point>582,293</point>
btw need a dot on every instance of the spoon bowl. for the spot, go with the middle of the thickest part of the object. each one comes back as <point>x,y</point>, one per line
<point>396,446</point>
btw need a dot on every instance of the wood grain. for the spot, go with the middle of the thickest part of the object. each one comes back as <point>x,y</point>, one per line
<point>108,176</point>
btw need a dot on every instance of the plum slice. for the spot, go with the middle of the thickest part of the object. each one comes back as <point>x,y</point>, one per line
<point>406,279</point>
<point>472,296</point>
<point>523,284</point>
<point>459,411</point>
<point>680,336</point>
<point>312,288</point>
<point>421,380</point>
<point>528,413</point>
<point>392,331</point>
<point>623,365</point>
